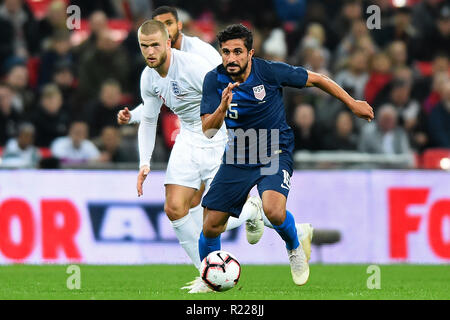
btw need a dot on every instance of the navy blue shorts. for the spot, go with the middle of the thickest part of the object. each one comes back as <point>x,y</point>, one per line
<point>231,184</point>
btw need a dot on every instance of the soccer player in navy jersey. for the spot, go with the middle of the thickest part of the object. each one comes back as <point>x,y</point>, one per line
<point>246,93</point>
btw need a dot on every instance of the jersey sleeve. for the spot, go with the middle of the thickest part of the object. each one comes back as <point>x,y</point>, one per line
<point>210,54</point>
<point>210,98</point>
<point>287,75</point>
<point>151,104</point>
<point>149,117</point>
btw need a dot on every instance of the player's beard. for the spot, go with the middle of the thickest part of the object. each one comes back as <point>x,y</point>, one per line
<point>175,38</point>
<point>239,72</point>
<point>161,61</point>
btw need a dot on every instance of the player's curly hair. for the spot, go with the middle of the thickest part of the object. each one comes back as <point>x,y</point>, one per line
<point>236,31</point>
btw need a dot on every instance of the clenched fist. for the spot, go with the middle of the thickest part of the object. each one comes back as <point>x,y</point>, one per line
<point>124,116</point>
<point>362,109</point>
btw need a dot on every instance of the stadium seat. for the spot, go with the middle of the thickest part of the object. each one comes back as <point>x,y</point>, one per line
<point>33,64</point>
<point>424,67</point>
<point>45,152</point>
<point>431,158</point>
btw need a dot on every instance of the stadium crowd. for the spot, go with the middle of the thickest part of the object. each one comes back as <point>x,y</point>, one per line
<point>61,89</point>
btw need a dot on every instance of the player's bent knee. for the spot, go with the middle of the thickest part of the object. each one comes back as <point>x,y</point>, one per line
<point>212,231</point>
<point>275,214</point>
<point>175,211</point>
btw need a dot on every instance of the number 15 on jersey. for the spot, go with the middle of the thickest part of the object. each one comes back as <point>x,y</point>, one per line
<point>232,113</point>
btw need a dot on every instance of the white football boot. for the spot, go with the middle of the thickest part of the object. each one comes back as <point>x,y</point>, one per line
<point>254,227</point>
<point>299,265</point>
<point>197,286</point>
<point>306,231</point>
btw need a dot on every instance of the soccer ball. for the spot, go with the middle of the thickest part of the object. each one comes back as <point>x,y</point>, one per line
<point>220,270</point>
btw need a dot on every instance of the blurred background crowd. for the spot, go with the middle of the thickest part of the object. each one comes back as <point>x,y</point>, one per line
<point>61,89</point>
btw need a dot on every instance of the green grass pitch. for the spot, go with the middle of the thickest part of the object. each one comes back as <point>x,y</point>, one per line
<point>270,282</point>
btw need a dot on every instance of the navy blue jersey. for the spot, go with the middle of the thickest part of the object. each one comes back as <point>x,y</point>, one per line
<point>257,109</point>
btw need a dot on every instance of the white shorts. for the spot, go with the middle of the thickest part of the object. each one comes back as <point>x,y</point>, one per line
<point>190,165</point>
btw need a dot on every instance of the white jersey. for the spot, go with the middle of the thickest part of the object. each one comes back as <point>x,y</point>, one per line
<point>181,91</point>
<point>192,45</point>
<point>202,48</point>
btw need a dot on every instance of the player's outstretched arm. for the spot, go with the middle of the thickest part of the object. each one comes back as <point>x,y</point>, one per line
<point>360,108</point>
<point>125,116</point>
<point>146,142</point>
<point>211,123</point>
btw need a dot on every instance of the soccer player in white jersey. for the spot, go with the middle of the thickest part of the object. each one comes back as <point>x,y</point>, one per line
<point>175,78</point>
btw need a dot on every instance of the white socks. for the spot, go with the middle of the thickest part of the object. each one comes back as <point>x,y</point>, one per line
<point>188,231</point>
<point>197,214</point>
<point>248,212</point>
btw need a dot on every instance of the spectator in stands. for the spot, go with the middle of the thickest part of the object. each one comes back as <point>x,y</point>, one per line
<point>424,84</point>
<point>367,46</point>
<point>349,43</point>
<point>399,27</point>
<point>351,11</point>
<point>6,42</point>
<point>439,120</point>
<point>64,78</point>
<point>410,115</point>
<point>136,63</point>
<point>98,22</point>
<point>24,27</point>
<point>20,152</point>
<point>290,11</point>
<point>58,52</point>
<point>398,54</point>
<point>343,137</point>
<point>399,76</point>
<point>435,94</point>
<point>380,76</point>
<point>425,14</point>
<point>354,78</point>
<point>103,112</point>
<point>384,135</point>
<point>53,22</point>
<point>313,40</point>
<point>106,61</point>
<point>408,108</point>
<point>9,116</point>
<point>275,46</point>
<point>50,118</point>
<point>432,18</point>
<point>316,62</point>
<point>111,148</point>
<point>75,148</point>
<point>17,78</point>
<point>307,132</point>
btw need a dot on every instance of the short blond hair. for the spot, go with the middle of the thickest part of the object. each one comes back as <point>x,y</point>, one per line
<point>153,26</point>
